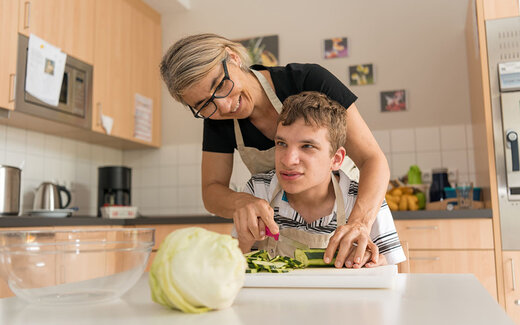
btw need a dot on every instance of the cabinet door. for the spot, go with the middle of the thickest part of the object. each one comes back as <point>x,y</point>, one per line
<point>145,75</point>
<point>67,24</point>
<point>511,267</point>
<point>446,233</point>
<point>481,263</point>
<point>127,57</point>
<point>494,9</point>
<point>8,46</point>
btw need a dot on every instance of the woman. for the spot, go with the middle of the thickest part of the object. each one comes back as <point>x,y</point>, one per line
<point>240,105</point>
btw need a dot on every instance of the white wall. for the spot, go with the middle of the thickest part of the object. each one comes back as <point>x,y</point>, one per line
<point>414,45</point>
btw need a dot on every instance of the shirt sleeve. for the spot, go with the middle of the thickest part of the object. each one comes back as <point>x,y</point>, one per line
<point>218,136</point>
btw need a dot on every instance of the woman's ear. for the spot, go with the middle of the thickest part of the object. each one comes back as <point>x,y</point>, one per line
<point>337,159</point>
<point>235,58</point>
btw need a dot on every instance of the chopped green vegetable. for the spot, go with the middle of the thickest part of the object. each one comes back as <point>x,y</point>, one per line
<point>259,261</point>
<point>312,257</point>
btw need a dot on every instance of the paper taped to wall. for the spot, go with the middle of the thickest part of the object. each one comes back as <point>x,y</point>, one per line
<point>45,67</point>
<point>143,118</point>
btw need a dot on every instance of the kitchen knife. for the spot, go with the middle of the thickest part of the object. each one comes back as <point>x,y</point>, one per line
<point>285,240</point>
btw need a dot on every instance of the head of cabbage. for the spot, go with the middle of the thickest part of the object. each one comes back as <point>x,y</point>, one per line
<point>196,270</point>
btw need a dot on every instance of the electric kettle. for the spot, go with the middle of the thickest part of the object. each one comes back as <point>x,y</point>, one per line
<point>48,197</point>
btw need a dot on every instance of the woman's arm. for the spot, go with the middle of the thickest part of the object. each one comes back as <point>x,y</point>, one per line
<point>363,149</point>
<point>250,214</point>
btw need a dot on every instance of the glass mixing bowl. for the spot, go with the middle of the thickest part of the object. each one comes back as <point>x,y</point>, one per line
<point>74,266</point>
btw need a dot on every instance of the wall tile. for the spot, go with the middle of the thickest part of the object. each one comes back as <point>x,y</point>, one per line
<point>83,151</point>
<point>190,154</point>
<point>3,131</point>
<point>34,167</point>
<point>427,139</point>
<point>150,177</point>
<point>149,198</point>
<point>402,140</point>
<point>51,169</point>
<point>52,146</point>
<point>453,137</point>
<point>428,161</point>
<point>168,176</point>
<point>67,172</point>
<point>189,175</point>
<point>68,149</point>
<point>132,158</point>
<point>455,159</point>
<point>83,176</point>
<point>469,136</point>
<point>15,158</point>
<point>471,161</point>
<point>401,163</point>
<point>383,139</point>
<point>168,197</point>
<point>169,155</point>
<point>35,143</point>
<point>15,139</point>
<point>190,196</point>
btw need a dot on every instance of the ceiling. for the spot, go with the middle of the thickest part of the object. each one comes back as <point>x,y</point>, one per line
<point>164,7</point>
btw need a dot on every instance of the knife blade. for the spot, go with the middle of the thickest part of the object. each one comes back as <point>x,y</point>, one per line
<point>285,240</point>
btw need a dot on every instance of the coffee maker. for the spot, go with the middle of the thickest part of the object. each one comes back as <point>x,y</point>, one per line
<point>114,186</point>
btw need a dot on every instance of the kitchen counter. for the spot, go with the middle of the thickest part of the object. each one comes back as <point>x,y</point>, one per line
<point>27,221</point>
<point>417,299</point>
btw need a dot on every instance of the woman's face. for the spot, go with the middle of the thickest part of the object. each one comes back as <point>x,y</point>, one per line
<point>237,105</point>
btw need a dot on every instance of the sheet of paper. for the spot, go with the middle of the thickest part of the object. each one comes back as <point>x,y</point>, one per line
<point>143,118</point>
<point>45,67</point>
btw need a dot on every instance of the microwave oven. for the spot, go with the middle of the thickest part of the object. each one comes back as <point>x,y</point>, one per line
<point>75,100</point>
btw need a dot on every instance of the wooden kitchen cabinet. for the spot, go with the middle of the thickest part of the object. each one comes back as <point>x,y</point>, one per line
<point>511,268</point>
<point>126,63</point>
<point>451,246</point>
<point>67,24</point>
<point>8,46</point>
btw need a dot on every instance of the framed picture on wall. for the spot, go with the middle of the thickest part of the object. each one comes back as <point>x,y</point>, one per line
<point>393,100</point>
<point>262,50</point>
<point>361,74</point>
<point>336,47</point>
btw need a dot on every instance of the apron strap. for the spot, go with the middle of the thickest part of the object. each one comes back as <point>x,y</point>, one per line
<point>269,91</point>
<point>238,135</point>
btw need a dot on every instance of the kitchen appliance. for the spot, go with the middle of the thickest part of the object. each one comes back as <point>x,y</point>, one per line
<point>504,78</point>
<point>10,179</point>
<point>75,101</point>
<point>66,267</point>
<point>48,197</point>
<point>114,186</point>
<point>439,182</point>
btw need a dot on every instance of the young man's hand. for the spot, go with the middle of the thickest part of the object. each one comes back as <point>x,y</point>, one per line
<point>352,242</point>
<point>251,216</point>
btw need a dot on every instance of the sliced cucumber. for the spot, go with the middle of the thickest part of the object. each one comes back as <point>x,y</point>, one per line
<point>312,257</point>
<point>259,261</point>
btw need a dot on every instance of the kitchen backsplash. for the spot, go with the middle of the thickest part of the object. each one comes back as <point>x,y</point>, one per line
<point>167,181</point>
<point>50,158</point>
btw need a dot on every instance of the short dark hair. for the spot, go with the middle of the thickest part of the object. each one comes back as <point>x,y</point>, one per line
<point>319,110</point>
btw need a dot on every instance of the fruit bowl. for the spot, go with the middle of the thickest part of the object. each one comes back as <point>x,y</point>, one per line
<point>67,267</point>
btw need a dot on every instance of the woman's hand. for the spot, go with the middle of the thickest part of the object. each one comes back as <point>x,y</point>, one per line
<point>353,243</point>
<point>250,216</point>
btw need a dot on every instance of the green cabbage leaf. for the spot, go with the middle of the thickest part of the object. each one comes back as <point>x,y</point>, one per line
<point>196,270</point>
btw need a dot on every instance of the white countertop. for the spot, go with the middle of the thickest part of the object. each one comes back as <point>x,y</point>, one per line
<point>417,299</point>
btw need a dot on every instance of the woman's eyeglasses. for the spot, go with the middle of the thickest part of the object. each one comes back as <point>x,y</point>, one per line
<point>223,90</point>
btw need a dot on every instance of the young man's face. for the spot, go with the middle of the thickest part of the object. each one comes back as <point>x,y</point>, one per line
<point>302,157</point>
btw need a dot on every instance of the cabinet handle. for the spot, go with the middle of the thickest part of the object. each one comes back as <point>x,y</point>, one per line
<point>422,227</point>
<point>12,81</point>
<point>517,302</point>
<point>100,112</point>
<point>434,258</point>
<point>27,16</point>
<point>513,274</point>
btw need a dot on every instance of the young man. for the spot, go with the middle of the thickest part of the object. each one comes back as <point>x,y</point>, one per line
<point>310,196</point>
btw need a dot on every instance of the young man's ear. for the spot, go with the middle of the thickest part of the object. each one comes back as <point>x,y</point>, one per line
<point>338,158</point>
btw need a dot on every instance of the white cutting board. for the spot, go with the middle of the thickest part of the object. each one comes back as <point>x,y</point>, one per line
<point>330,277</point>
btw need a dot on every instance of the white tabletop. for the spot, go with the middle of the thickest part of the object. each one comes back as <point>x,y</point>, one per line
<point>418,299</point>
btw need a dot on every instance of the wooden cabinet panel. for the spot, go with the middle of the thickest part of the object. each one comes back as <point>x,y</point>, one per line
<point>127,57</point>
<point>494,9</point>
<point>446,233</point>
<point>511,268</point>
<point>161,231</point>
<point>8,46</point>
<point>480,263</point>
<point>68,24</point>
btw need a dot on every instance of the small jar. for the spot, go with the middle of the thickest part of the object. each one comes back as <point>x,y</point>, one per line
<point>439,182</point>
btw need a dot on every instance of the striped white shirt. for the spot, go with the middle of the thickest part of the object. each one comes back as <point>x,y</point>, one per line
<point>383,232</point>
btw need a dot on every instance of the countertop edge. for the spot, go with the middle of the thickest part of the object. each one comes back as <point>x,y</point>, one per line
<point>27,221</point>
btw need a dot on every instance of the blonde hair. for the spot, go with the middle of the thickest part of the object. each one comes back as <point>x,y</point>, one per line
<point>318,110</point>
<point>191,58</point>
